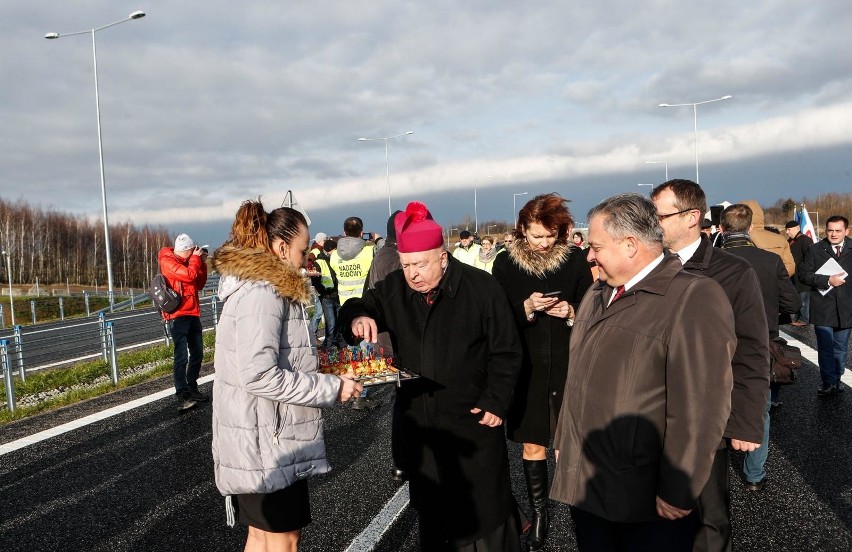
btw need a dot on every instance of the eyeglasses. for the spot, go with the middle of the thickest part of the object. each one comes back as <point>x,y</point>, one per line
<point>661,218</point>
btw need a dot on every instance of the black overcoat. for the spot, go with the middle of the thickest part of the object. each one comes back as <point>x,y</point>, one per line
<point>750,364</point>
<point>798,246</point>
<point>468,354</point>
<point>835,307</point>
<point>538,397</point>
<point>779,295</point>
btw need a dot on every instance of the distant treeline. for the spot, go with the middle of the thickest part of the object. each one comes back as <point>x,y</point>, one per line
<point>56,248</point>
<point>825,205</point>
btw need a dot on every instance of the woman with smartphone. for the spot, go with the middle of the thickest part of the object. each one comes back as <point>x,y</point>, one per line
<point>544,277</point>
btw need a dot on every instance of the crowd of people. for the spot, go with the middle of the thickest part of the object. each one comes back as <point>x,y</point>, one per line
<point>635,356</point>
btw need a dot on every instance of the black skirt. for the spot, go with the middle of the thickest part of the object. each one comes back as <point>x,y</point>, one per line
<point>280,512</point>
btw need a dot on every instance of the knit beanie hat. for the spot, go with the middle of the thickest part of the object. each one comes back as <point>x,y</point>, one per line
<point>416,231</point>
<point>183,243</point>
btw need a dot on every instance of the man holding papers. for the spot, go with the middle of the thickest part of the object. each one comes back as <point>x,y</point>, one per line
<point>826,267</point>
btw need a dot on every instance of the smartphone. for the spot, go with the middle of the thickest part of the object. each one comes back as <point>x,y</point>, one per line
<point>552,293</point>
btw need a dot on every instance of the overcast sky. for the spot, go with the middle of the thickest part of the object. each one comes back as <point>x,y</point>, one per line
<point>204,104</point>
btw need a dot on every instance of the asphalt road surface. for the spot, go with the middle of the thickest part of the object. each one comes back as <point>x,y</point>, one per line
<point>142,480</point>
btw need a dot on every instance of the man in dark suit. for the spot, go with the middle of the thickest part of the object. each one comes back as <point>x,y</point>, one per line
<point>831,312</point>
<point>799,243</point>
<point>779,296</point>
<point>680,206</point>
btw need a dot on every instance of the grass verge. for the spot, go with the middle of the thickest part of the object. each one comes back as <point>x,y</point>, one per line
<point>80,382</point>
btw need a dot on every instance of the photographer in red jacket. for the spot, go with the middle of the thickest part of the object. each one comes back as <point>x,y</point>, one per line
<point>185,270</point>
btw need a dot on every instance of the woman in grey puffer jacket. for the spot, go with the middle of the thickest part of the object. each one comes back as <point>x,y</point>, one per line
<point>267,423</point>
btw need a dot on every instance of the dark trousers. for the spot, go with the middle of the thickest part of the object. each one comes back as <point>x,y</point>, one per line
<point>596,534</point>
<point>713,509</point>
<point>186,334</point>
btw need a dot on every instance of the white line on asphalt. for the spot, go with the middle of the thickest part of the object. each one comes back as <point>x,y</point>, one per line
<point>811,355</point>
<point>372,534</point>
<point>90,419</point>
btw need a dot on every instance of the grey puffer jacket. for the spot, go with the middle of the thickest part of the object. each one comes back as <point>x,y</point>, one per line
<point>267,423</point>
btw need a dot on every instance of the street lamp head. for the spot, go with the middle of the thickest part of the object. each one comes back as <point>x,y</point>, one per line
<point>728,97</point>
<point>51,36</point>
<point>137,15</point>
<point>663,105</point>
<point>362,139</point>
<point>409,132</point>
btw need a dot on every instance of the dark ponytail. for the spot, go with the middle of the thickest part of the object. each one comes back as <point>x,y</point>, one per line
<point>284,223</point>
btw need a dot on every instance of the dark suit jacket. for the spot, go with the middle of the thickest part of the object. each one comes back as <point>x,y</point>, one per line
<point>834,308</point>
<point>751,359</point>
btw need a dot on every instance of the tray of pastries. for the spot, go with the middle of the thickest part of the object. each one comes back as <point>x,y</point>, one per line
<point>369,365</point>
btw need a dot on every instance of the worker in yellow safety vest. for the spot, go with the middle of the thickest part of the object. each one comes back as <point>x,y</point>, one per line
<point>351,260</point>
<point>351,263</point>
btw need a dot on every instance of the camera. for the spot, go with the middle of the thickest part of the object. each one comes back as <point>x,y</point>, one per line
<point>367,236</point>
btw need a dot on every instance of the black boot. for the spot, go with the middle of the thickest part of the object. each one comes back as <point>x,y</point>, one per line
<point>535,472</point>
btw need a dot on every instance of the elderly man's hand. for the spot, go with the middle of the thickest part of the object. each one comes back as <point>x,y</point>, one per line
<point>744,446</point>
<point>489,419</point>
<point>667,511</point>
<point>365,328</point>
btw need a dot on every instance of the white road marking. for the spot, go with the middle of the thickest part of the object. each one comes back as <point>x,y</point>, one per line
<point>811,355</point>
<point>90,419</point>
<point>372,534</point>
<point>364,542</point>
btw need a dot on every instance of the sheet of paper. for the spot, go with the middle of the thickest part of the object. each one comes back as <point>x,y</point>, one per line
<point>830,268</point>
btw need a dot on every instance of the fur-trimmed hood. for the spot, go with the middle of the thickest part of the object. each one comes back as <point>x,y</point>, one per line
<point>535,263</point>
<point>240,266</point>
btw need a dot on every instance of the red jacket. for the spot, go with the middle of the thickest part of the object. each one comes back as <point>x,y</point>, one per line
<point>186,276</point>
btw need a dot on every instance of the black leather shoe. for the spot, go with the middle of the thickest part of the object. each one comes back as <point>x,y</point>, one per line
<point>185,402</point>
<point>827,390</point>
<point>755,486</point>
<point>198,396</point>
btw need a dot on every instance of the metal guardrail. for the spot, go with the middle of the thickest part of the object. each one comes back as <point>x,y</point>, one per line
<point>30,348</point>
<point>134,299</point>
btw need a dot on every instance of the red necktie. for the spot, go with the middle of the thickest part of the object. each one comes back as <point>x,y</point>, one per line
<point>837,248</point>
<point>430,296</point>
<point>619,291</point>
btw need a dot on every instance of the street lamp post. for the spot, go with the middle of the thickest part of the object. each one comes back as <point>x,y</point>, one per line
<point>695,122</point>
<point>514,209</point>
<point>11,298</point>
<point>667,167</point>
<point>475,215</point>
<point>51,36</point>
<point>387,165</point>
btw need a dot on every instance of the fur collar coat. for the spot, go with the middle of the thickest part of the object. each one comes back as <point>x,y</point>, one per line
<point>267,422</point>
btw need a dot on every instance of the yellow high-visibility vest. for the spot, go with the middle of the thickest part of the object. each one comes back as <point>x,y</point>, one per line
<point>326,280</point>
<point>351,274</point>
